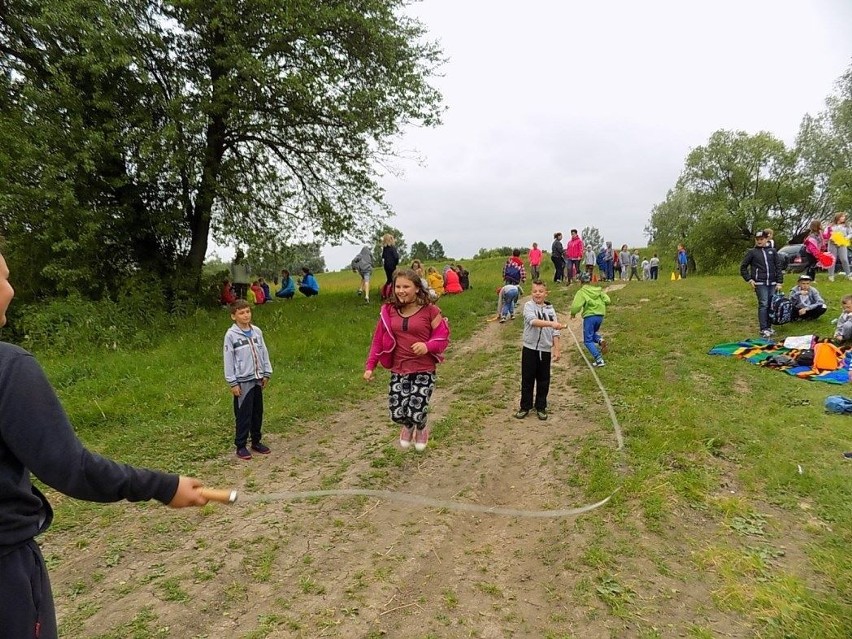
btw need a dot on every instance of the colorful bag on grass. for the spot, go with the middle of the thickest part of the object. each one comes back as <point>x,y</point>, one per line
<point>826,356</point>
<point>780,309</point>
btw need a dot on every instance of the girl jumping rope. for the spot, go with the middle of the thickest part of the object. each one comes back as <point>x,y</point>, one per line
<point>410,337</point>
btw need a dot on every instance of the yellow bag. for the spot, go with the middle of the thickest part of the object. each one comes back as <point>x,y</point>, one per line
<point>826,356</point>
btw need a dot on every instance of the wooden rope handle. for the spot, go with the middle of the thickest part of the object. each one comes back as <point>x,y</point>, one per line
<point>222,496</point>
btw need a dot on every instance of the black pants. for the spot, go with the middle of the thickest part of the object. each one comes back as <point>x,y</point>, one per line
<point>389,273</point>
<point>240,290</point>
<point>810,269</point>
<point>809,315</point>
<point>535,374</point>
<point>558,267</point>
<point>248,410</point>
<point>26,602</point>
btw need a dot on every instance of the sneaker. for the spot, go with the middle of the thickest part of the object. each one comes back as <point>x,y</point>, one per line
<point>766,333</point>
<point>360,292</point>
<point>831,278</point>
<point>603,346</point>
<point>599,363</point>
<point>502,319</point>
<point>243,453</point>
<point>512,316</point>
<point>848,455</point>
<point>366,300</point>
<point>405,436</point>
<point>260,449</point>
<point>421,438</point>
<point>521,414</point>
<point>542,414</point>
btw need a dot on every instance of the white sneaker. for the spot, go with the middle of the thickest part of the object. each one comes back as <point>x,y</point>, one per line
<point>599,363</point>
<point>831,278</point>
<point>767,334</point>
<point>405,437</point>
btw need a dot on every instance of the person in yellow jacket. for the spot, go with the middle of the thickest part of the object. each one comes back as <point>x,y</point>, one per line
<point>435,281</point>
<point>591,302</point>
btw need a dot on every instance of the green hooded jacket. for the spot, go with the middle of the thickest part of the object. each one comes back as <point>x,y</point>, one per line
<point>590,300</point>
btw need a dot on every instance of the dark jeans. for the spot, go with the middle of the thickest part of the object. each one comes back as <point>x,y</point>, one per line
<point>573,268</point>
<point>240,290</point>
<point>389,269</point>
<point>809,315</point>
<point>27,602</point>
<point>558,267</point>
<point>810,270</point>
<point>654,272</point>
<point>764,296</point>
<point>535,374</point>
<point>248,410</point>
<point>308,291</point>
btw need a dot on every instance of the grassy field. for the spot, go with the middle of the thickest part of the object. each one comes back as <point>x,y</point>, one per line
<point>732,484</point>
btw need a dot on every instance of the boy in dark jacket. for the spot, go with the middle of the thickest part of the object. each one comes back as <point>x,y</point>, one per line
<point>763,268</point>
<point>36,438</point>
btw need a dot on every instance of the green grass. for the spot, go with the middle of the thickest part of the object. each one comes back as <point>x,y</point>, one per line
<point>707,435</point>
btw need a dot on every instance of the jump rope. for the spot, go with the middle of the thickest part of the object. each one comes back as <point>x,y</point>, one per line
<point>231,496</point>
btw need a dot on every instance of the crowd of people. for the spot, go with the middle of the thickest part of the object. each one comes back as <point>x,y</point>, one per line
<point>577,256</point>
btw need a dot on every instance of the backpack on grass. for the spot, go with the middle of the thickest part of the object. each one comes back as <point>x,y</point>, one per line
<point>780,309</point>
<point>838,404</point>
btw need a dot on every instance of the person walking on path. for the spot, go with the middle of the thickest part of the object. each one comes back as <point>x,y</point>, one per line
<point>557,256</point>
<point>535,261</point>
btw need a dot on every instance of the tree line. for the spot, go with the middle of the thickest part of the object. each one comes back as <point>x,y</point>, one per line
<point>738,183</point>
<point>131,132</point>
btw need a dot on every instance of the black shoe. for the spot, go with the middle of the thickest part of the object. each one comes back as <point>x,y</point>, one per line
<point>521,414</point>
<point>261,449</point>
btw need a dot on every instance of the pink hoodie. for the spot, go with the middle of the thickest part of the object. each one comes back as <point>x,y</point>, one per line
<point>384,343</point>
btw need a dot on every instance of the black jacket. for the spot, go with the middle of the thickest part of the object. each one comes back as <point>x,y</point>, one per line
<point>36,437</point>
<point>764,265</point>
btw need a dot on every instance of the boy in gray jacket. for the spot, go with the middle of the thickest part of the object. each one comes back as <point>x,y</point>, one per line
<point>541,346</point>
<point>247,371</point>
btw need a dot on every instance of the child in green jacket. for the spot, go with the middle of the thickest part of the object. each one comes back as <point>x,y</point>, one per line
<point>591,301</point>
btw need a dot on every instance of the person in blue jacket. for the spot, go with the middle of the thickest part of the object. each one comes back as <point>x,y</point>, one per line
<point>288,286</point>
<point>308,284</point>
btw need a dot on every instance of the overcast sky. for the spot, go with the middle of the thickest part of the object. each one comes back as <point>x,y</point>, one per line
<point>566,113</point>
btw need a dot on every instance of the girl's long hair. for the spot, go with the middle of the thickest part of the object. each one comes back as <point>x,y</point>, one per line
<point>412,276</point>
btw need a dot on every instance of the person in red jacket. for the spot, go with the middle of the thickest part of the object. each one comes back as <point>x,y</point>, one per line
<point>259,295</point>
<point>574,255</point>
<point>227,295</point>
<point>453,284</point>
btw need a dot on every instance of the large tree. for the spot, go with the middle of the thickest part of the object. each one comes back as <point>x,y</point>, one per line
<point>734,185</point>
<point>132,131</point>
<point>824,146</point>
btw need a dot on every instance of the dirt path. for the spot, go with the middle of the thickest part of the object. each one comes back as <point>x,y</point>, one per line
<point>359,567</point>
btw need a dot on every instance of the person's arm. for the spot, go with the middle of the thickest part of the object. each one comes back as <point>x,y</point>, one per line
<point>36,431</point>
<point>745,271</point>
<point>554,351</point>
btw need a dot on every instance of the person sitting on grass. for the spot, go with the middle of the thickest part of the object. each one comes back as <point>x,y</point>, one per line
<point>807,302</point>
<point>226,295</point>
<point>452,285</point>
<point>843,325</point>
<point>435,281</point>
<point>308,284</point>
<point>288,287</point>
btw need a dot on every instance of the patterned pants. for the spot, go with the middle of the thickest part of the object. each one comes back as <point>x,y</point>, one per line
<point>408,398</point>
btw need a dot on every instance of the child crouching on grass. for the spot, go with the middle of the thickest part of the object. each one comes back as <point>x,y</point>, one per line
<point>541,346</point>
<point>591,301</point>
<point>409,339</point>
<point>843,325</point>
<point>247,371</point>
